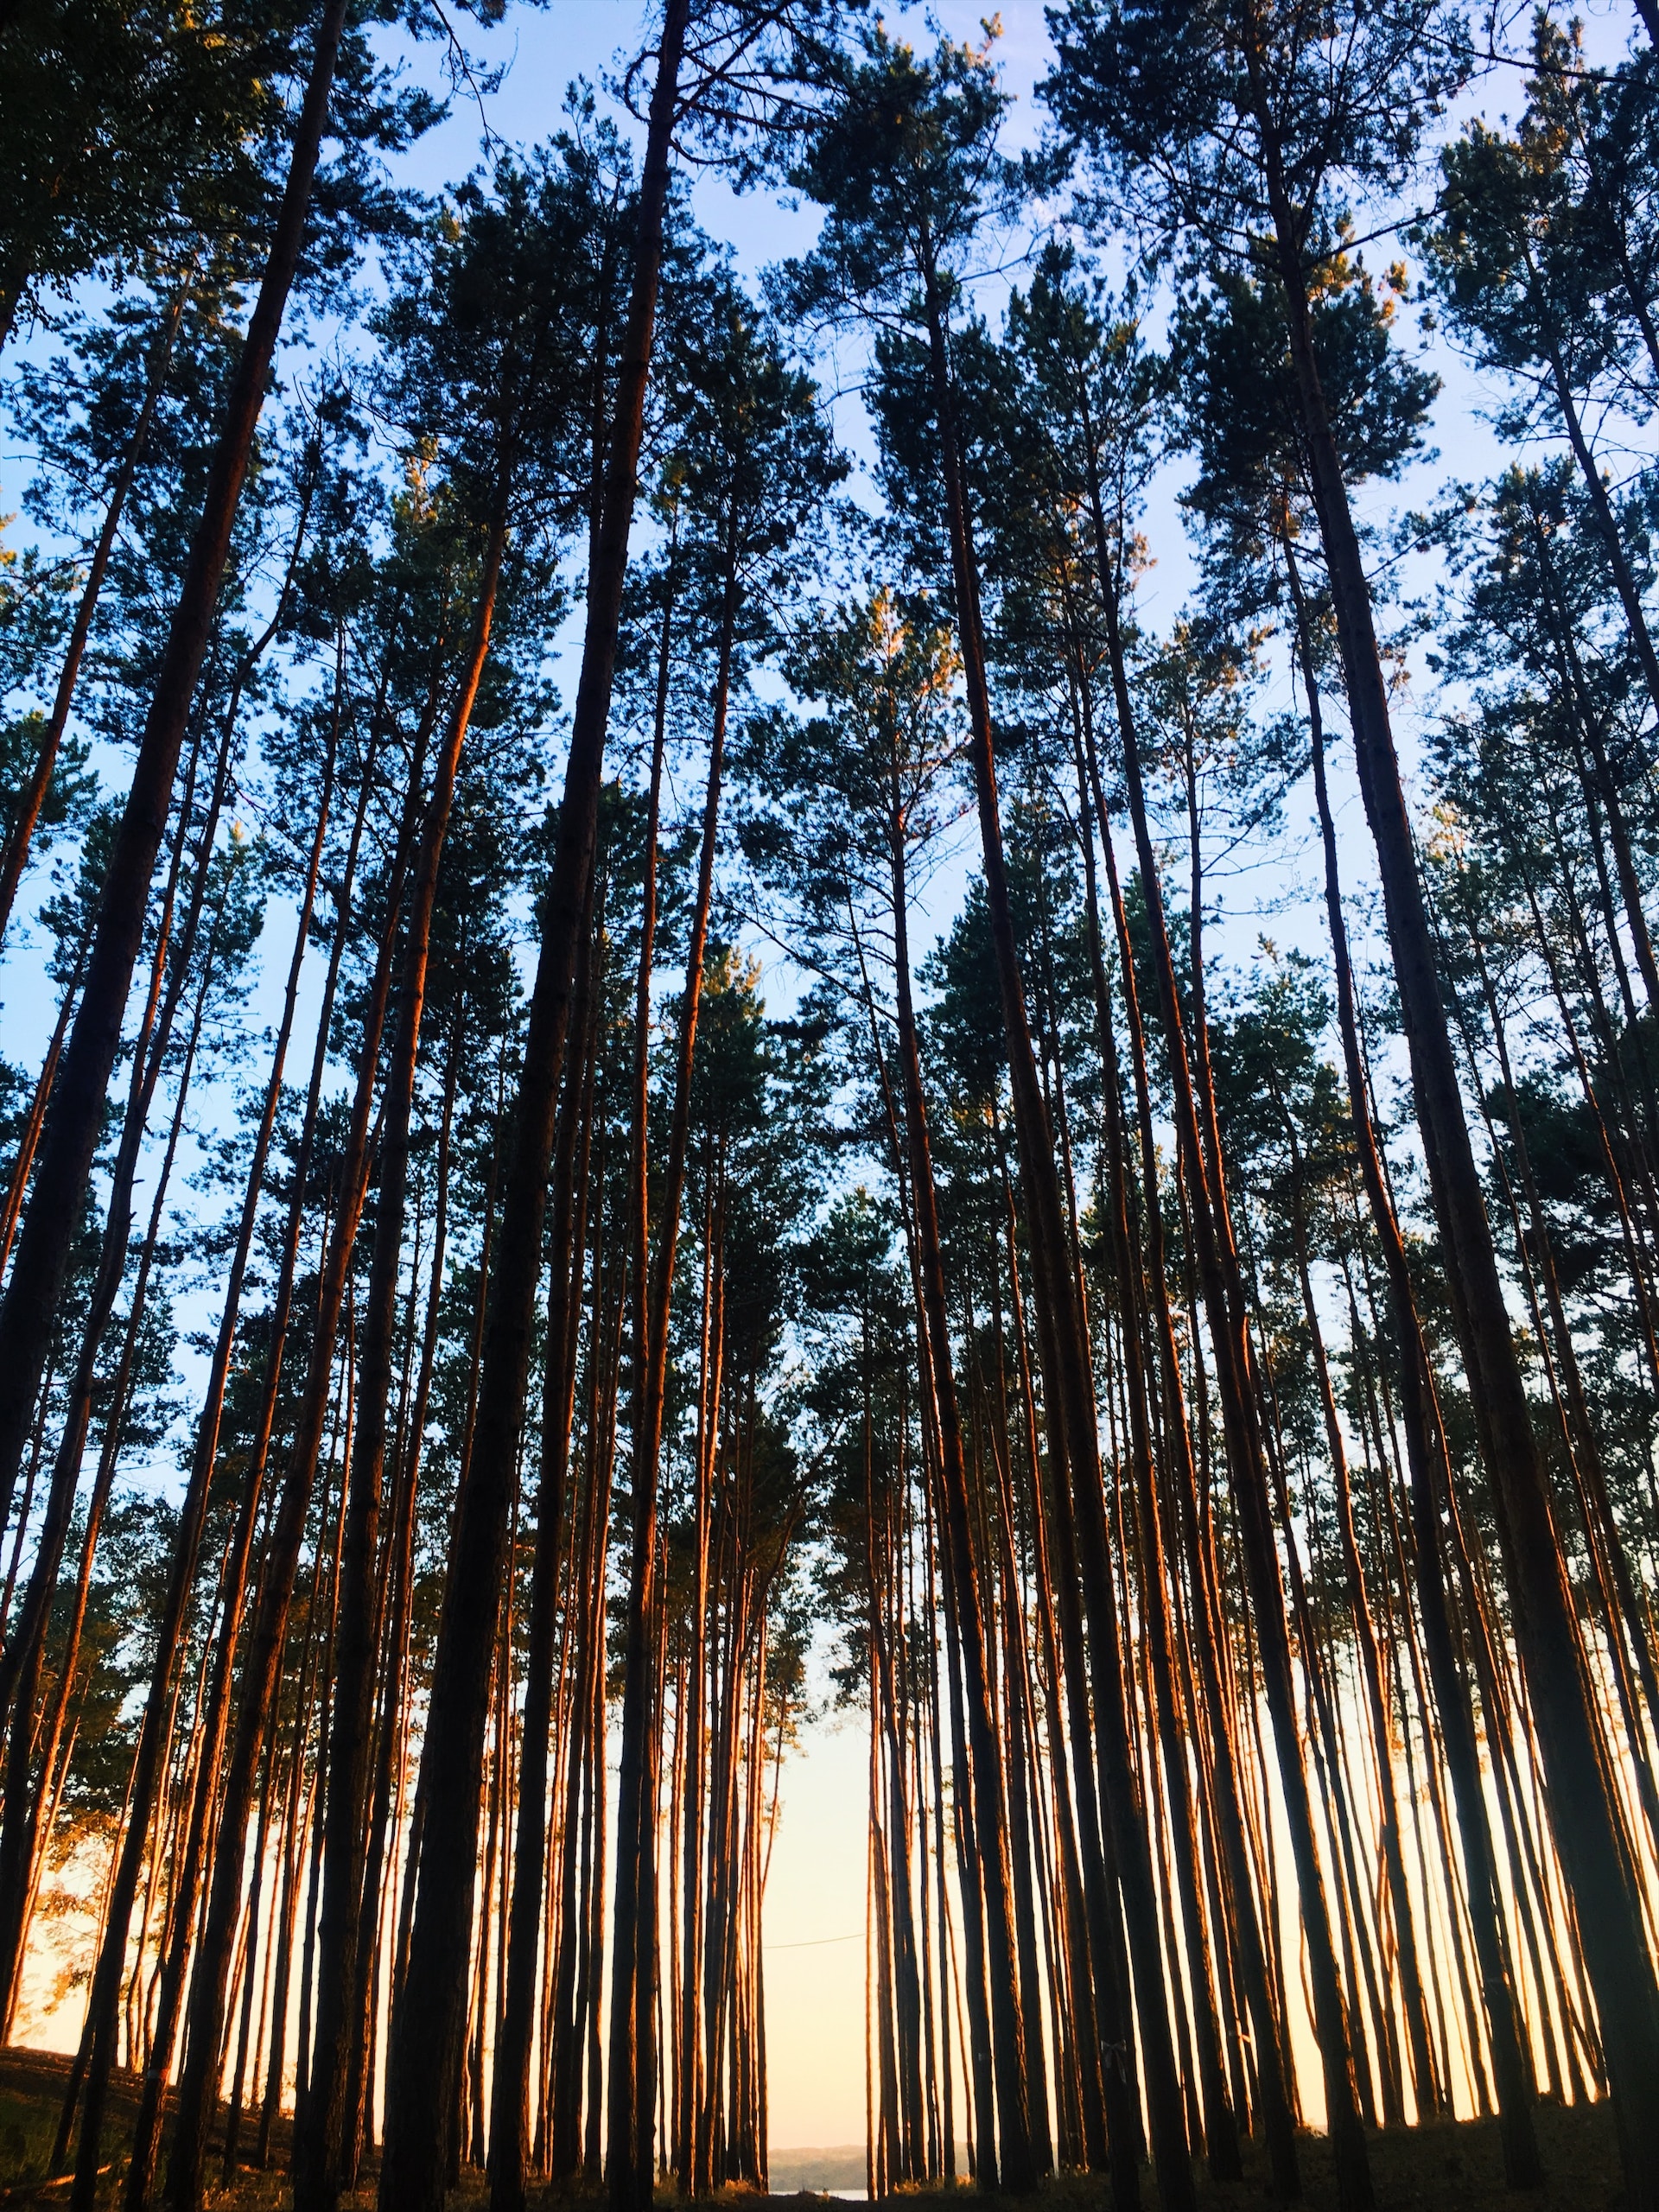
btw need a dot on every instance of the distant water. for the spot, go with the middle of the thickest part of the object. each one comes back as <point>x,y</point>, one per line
<point>839,2171</point>
<point>834,2171</point>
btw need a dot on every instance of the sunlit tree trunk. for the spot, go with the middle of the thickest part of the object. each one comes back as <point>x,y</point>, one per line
<point>1431,1489</point>
<point>428,2025</point>
<point>72,1127</point>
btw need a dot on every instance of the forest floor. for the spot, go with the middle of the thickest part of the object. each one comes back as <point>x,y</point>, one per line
<point>1450,2167</point>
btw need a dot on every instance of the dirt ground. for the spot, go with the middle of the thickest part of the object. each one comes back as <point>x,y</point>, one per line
<point>1450,2168</point>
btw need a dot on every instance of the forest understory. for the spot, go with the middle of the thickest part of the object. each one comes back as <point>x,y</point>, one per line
<point>1457,2164</point>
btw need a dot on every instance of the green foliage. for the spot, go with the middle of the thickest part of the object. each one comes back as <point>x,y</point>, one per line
<point>1197,119</point>
<point>1234,399</point>
<point>901,152</point>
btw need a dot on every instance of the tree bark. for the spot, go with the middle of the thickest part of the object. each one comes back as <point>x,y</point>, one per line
<point>261,1657</point>
<point>509,2157</point>
<point>70,1134</point>
<point>430,2022</point>
<point>1069,1395</point>
<point>1597,1866</point>
<point>633,2037</point>
<point>319,2147</point>
<point>21,835</point>
<point>1218,1268</point>
<point>1425,1459</point>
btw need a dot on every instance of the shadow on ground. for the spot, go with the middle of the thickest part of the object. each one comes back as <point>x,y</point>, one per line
<point>1449,2167</point>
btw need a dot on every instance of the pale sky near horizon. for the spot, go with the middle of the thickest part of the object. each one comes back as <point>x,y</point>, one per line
<point>813,1936</point>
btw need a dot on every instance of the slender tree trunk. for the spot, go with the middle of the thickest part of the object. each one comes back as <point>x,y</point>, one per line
<point>1374,1679</point>
<point>1069,1395</point>
<point>255,1894</point>
<point>693,1726</point>
<point>509,2099</point>
<point>632,2038</point>
<point>1624,584</point>
<point>1425,1459</point>
<point>27,1799</point>
<point>175,949</point>
<point>991,1823</point>
<point>1220,2123</point>
<point>389,1782</point>
<point>430,2022</point>
<point>146,2130</point>
<point>261,1657</point>
<point>24,1160</point>
<point>155,1726</point>
<point>70,1134</point>
<point>19,837</point>
<point>1216,1258</point>
<point>1597,1867</point>
<point>319,2147</point>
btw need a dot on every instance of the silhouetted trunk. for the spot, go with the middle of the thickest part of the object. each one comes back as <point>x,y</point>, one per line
<point>187,1865</point>
<point>71,1133</point>
<point>1015,2164</point>
<point>1601,506</point>
<point>395,1698</point>
<point>21,1835</point>
<point>1373,1678</point>
<point>229,2161</point>
<point>571,1978</point>
<point>509,2098</point>
<point>261,1657</point>
<point>33,1121</point>
<point>1220,2122</point>
<point>691,1725</point>
<point>429,2024</point>
<point>1069,1397</point>
<point>318,2146</point>
<point>633,2054</point>
<point>1218,1268</point>
<point>1430,1480</point>
<point>172,952</point>
<point>20,834</point>
<point>175,951</point>
<point>1598,1873</point>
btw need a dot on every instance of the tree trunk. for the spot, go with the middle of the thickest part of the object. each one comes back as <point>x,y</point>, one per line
<point>261,1657</point>
<point>1597,1867</point>
<point>426,2044</point>
<point>1218,1271</point>
<point>14,859</point>
<point>318,2146</point>
<point>1069,1396</point>
<point>510,2106</point>
<point>70,1134</point>
<point>632,2035</point>
<point>147,2129</point>
<point>1425,1447</point>
<point>1015,2164</point>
